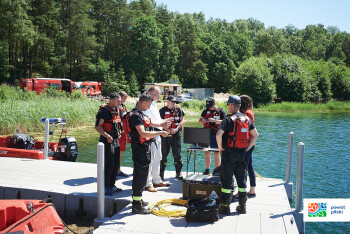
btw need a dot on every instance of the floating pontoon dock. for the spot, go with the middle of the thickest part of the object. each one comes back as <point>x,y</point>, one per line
<point>73,188</point>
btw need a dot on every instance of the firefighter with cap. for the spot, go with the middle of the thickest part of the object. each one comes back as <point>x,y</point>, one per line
<point>211,117</point>
<point>233,142</point>
<point>108,125</point>
<point>142,136</point>
<point>174,142</point>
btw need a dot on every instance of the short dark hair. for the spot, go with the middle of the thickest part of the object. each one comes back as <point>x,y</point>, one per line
<point>114,95</point>
<point>246,103</point>
<point>145,98</point>
<point>123,94</point>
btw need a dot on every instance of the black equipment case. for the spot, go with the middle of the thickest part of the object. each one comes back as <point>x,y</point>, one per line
<point>200,186</point>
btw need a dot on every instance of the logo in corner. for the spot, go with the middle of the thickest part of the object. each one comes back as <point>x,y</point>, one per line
<point>317,209</point>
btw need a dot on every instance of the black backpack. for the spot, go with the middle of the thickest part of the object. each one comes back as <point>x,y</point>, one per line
<point>203,210</point>
<point>21,141</point>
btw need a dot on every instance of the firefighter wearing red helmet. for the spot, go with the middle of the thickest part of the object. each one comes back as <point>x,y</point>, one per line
<point>233,142</point>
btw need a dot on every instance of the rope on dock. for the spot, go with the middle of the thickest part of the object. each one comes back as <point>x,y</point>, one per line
<point>257,174</point>
<point>158,208</point>
<point>262,178</point>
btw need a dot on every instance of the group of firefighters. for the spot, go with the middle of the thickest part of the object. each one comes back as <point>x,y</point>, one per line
<point>153,132</point>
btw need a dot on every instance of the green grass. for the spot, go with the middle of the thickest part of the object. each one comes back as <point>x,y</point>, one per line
<point>331,106</point>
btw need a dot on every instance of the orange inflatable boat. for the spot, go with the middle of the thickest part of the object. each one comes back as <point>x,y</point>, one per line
<point>34,152</point>
<point>23,146</point>
<point>29,216</point>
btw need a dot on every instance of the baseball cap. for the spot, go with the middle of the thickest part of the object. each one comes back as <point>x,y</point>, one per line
<point>209,102</point>
<point>170,98</point>
<point>234,99</point>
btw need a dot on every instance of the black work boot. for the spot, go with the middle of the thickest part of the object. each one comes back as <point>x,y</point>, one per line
<point>144,203</point>
<point>225,204</point>
<point>179,175</point>
<point>224,209</point>
<point>137,208</point>
<point>178,168</point>
<point>241,208</point>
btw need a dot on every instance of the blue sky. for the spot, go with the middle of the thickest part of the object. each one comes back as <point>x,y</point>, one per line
<point>271,12</point>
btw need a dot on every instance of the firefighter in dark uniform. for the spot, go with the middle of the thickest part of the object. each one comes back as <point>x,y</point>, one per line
<point>177,116</point>
<point>108,125</point>
<point>211,117</point>
<point>233,141</point>
<point>122,138</point>
<point>141,138</point>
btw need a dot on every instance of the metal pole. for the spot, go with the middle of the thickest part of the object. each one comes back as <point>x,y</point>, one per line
<point>298,213</point>
<point>289,157</point>
<point>46,141</point>
<point>100,186</point>
<point>288,184</point>
<point>300,177</point>
<point>100,181</point>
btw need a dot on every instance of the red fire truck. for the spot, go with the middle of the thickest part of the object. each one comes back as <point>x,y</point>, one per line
<point>39,84</point>
<point>91,88</point>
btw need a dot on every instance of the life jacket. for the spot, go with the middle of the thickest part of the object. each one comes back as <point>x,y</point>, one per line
<point>146,123</point>
<point>122,109</point>
<point>127,129</point>
<point>239,136</point>
<point>212,114</point>
<point>113,125</point>
<point>175,113</point>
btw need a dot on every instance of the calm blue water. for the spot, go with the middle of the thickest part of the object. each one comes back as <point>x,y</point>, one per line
<point>326,157</point>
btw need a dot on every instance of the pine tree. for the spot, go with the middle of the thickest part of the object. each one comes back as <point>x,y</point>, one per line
<point>133,86</point>
<point>16,29</point>
<point>143,53</point>
<point>120,77</point>
<point>4,74</point>
<point>80,41</point>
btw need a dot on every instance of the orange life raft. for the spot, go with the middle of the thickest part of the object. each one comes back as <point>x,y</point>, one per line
<point>29,216</point>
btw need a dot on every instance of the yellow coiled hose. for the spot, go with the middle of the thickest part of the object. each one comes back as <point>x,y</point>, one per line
<point>158,208</point>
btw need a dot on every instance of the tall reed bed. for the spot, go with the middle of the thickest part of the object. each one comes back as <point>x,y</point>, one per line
<point>331,106</point>
<point>24,110</point>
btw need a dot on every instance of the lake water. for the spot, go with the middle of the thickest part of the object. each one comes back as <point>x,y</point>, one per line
<point>326,157</point>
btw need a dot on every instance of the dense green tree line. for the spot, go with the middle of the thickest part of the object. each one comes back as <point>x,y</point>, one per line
<point>286,77</point>
<point>137,42</point>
